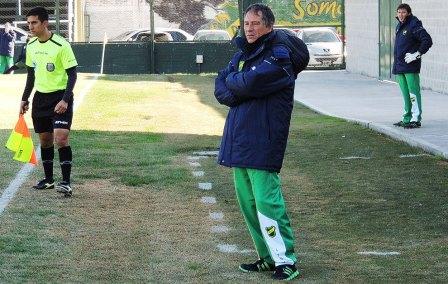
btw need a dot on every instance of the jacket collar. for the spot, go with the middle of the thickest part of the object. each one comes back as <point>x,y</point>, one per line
<point>252,50</point>
<point>407,20</point>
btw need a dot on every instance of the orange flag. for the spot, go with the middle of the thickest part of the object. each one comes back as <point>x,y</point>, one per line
<point>21,144</point>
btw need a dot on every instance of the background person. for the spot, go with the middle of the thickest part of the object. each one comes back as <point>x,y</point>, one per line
<point>258,86</point>
<point>7,41</point>
<point>411,42</point>
<point>51,67</point>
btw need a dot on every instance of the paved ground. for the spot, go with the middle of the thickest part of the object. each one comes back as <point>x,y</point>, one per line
<point>376,105</point>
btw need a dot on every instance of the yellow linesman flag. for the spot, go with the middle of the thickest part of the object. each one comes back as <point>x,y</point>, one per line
<point>21,144</point>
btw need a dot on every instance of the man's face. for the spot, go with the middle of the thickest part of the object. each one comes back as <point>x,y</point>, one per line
<point>254,27</point>
<point>402,15</point>
<point>36,27</point>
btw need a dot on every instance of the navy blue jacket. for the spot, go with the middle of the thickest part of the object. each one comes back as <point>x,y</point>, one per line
<point>410,37</point>
<point>258,86</point>
<point>7,43</point>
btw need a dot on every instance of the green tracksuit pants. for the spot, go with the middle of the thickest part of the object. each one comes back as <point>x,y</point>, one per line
<point>263,207</point>
<point>410,88</point>
<point>5,63</point>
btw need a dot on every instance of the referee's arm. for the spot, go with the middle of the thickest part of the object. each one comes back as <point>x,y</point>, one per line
<point>61,107</point>
<point>24,105</point>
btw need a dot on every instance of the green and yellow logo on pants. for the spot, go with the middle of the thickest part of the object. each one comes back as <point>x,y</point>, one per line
<point>271,231</point>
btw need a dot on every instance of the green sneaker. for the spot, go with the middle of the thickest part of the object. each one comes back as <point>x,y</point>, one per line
<point>285,272</point>
<point>258,266</point>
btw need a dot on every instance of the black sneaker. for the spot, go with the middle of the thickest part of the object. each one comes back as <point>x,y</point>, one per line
<point>285,272</point>
<point>44,184</point>
<point>65,188</point>
<point>258,266</point>
<point>401,124</point>
<point>414,124</point>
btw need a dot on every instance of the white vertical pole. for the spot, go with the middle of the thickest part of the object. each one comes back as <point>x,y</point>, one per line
<point>71,20</point>
<point>102,56</point>
<point>19,4</point>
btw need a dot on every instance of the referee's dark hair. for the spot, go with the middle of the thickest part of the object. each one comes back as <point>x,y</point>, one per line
<point>406,7</point>
<point>40,12</point>
<point>267,15</point>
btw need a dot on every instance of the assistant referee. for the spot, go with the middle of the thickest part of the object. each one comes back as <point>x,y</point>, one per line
<point>51,67</point>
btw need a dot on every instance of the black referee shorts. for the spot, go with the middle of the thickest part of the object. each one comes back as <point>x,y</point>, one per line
<point>44,117</point>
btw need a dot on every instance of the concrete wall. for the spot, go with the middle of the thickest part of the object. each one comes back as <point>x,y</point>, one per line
<point>361,20</point>
<point>117,16</point>
<point>433,14</point>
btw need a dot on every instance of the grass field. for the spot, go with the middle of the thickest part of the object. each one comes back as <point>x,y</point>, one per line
<point>136,214</point>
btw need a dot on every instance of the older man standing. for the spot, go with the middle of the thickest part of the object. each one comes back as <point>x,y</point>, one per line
<point>258,86</point>
<point>411,42</point>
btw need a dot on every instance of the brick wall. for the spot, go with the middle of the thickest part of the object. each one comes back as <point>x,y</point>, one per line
<point>361,19</point>
<point>433,14</point>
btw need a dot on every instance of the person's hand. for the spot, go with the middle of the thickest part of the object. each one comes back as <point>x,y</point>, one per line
<point>24,106</point>
<point>61,107</point>
<point>7,27</point>
<point>412,57</point>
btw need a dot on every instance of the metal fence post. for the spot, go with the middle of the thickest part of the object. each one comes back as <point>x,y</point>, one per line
<point>58,16</point>
<point>152,48</point>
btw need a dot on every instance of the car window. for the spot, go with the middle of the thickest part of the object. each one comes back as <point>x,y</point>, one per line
<point>319,36</point>
<point>177,36</point>
<point>147,37</point>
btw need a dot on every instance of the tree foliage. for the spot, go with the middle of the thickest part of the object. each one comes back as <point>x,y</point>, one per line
<point>189,14</point>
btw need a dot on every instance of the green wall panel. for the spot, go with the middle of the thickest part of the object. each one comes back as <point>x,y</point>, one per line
<point>180,57</point>
<point>173,57</point>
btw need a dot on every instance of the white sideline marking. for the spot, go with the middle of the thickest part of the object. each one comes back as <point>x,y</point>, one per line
<point>217,216</point>
<point>226,248</point>
<point>14,185</point>
<point>79,98</point>
<point>194,164</point>
<point>379,253</point>
<point>194,158</point>
<point>354,157</point>
<point>198,173</point>
<point>207,153</point>
<point>27,169</point>
<point>219,229</point>
<point>208,200</point>
<point>205,185</point>
<point>413,155</point>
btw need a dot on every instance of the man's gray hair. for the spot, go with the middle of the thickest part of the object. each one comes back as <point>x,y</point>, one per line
<point>267,16</point>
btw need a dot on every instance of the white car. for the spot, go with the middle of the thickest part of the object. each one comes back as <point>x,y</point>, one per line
<point>325,47</point>
<point>207,35</point>
<point>21,35</point>
<point>177,34</point>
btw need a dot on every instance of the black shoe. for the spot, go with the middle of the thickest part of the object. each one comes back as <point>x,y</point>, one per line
<point>285,272</point>
<point>258,266</point>
<point>44,184</point>
<point>413,124</point>
<point>401,124</point>
<point>65,188</point>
